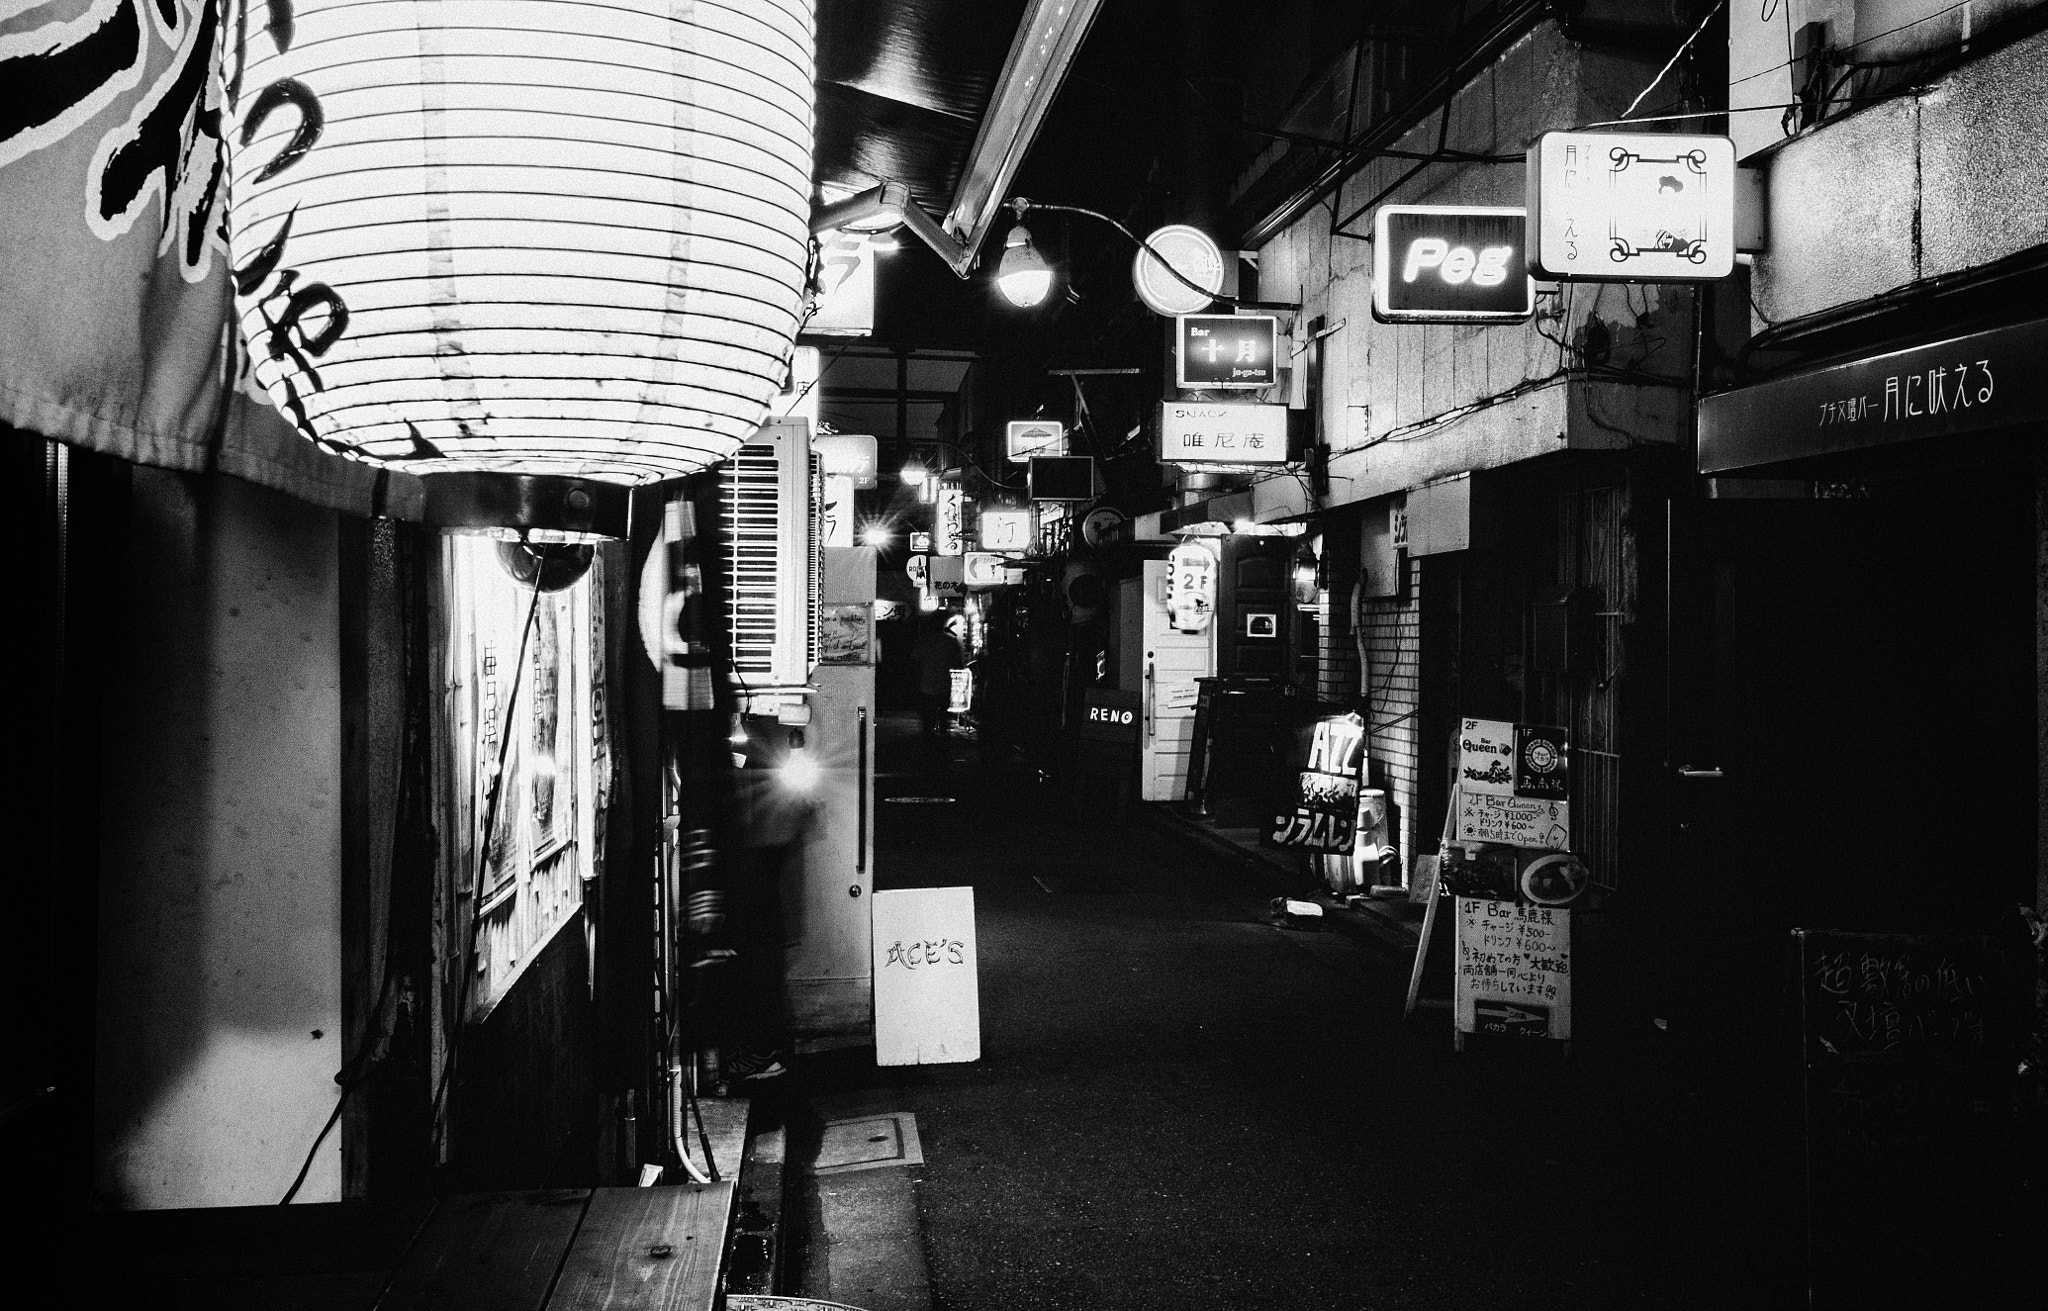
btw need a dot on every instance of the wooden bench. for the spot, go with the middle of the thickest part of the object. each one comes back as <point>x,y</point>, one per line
<point>619,1249</point>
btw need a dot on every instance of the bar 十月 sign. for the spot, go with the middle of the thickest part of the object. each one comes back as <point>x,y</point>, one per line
<point>1222,432</point>
<point>1226,350</point>
<point>1451,264</point>
<point>1976,383</point>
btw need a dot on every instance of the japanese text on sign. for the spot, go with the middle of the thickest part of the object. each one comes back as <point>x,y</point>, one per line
<point>1514,969</point>
<point>1227,350</point>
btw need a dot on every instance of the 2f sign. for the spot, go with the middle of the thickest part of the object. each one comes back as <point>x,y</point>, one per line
<point>1451,264</point>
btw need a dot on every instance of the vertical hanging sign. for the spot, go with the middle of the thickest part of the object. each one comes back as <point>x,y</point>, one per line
<point>1191,587</point>
<point>949,523</point>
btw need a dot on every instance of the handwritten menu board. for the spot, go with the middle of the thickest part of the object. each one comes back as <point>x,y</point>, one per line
<point>1512,781</point>
<point>1908,1044</point>
<point>1513,969</point>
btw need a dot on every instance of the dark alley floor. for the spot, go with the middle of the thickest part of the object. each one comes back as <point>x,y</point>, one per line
<point>1181,1105</point>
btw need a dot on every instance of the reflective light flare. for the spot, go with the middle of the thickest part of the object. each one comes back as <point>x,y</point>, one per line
<point>526,236</point>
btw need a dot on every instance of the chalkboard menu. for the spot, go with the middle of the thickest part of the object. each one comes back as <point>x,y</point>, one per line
<point>1909,1046</point>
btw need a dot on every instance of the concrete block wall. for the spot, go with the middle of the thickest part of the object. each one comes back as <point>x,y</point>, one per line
<point>1406,404</point>
<point>1393,636</point>
<point>1940,181</point>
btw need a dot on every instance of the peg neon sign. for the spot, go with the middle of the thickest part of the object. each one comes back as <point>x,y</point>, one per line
<point>1451,264</point>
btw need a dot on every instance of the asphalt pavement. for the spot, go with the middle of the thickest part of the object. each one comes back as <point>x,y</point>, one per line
<point>1180,1104</point>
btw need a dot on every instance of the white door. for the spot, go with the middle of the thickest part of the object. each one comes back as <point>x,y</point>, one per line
<point>1172,662</point>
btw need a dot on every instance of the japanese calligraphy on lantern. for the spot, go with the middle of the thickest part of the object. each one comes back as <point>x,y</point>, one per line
<point>927,999</point>
<point>1512,783</point>
<point>1514,969</point>
<point>1222,432</point>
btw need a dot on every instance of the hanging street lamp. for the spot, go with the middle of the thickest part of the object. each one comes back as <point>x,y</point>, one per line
<point>534,251</point>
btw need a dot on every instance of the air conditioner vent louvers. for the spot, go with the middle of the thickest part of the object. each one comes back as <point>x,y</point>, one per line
<point>770,539</point>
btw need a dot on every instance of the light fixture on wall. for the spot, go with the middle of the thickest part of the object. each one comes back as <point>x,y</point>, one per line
<point>535,253</point>
<point>1025,253</point>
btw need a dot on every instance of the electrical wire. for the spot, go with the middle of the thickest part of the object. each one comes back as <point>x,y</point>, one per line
<point>1023,206</point>
<point>1676,55</point>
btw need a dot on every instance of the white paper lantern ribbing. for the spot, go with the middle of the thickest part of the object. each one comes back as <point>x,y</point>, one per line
<point>544,237</point>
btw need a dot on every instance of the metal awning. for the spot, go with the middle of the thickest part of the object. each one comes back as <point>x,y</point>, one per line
<point>942,98</point>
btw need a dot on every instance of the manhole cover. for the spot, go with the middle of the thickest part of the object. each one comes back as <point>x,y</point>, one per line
<point>921,801</point>
<point>868,1142</point>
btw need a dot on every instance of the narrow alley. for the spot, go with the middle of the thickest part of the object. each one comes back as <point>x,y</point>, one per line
<point>1027,655</point>
<point>1181,1105</point>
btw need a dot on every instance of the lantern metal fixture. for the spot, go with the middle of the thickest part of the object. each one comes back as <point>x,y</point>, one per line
<point>535,251</point>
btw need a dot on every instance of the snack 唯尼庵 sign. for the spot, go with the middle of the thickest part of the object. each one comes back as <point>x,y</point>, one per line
<point>1513,781</point>
<point>1222,432</point>
<point>1324,816</point>
<point>1226,350</point>
<point>1451,264</point>
<point>1631,207</point>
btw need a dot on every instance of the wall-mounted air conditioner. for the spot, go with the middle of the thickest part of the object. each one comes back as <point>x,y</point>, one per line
<point>769,500</point>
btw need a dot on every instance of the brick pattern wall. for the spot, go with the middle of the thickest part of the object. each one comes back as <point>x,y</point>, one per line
<point>1336,650</point>
<point>1393,642</point>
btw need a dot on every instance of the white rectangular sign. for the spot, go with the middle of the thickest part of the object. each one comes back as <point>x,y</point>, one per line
<point>1631,207</point>
<point>1514,821</point>
<point>1514,969</point>
<point>927,994</point>
<point>949,521</point>
<point>1220,432</point>
<point>1024,438</point>
<point>983,569</point>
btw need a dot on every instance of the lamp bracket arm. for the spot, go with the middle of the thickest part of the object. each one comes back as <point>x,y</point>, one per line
<point>958,255</point>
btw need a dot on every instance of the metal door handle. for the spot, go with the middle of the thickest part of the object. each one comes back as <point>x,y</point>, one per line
<point>860,850</point>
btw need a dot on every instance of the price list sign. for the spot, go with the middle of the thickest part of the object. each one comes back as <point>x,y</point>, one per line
<point>1514,970</point>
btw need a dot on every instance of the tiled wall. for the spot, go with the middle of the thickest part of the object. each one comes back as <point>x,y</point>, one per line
<point>1393,641</point>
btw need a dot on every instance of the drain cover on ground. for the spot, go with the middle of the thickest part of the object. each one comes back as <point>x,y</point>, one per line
<point>867,1143</point>
<point>921,801</point>
<point>762,1302</point>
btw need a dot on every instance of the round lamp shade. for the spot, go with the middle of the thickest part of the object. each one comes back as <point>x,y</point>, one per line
<point>522,236</point>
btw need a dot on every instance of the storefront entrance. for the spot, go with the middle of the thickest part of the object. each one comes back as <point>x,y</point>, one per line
<point>1852,721</point>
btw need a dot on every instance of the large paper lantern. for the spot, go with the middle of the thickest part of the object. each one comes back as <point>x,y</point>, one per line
<point>527,237</point>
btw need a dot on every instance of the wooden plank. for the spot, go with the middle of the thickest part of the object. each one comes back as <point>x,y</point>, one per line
<point>494,1250</point>
<point>647,1249</point>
